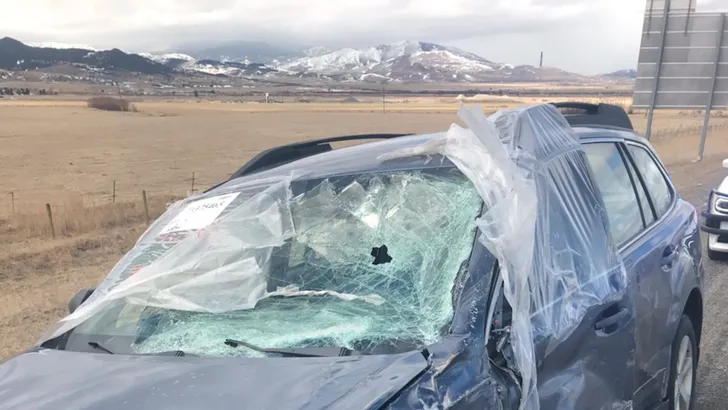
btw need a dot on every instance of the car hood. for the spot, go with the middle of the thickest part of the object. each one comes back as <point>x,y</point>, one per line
<point>50,379</point>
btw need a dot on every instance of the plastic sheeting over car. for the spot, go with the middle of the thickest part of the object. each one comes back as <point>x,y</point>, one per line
<point>352,261</point>
<point>556,255</point>
<point>216,253</point>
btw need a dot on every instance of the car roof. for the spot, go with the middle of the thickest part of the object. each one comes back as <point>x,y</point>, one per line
<point>601,132</point>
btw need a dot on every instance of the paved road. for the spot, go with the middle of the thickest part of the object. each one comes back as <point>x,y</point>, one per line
<point>694,181</point>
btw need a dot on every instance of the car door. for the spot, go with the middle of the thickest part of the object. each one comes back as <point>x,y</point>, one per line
<point>657,261</point>
<point>593,367</point>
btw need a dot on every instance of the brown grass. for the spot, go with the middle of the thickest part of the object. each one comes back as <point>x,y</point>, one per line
<point>39,278</point>
<point>111,104</point>
<point>65,154</point>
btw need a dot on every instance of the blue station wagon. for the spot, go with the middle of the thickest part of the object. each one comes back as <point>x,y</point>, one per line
<point>539,259</point>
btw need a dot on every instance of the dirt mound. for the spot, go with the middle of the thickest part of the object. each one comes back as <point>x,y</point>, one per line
<point>349,100</point>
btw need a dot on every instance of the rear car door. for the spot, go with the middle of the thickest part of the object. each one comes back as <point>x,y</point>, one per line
<point>659,259</point>
<point>629,216</point>
<point>648,226</point>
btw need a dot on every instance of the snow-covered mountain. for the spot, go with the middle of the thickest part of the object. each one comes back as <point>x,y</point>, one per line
<point>164,58</point>
<point>411,61</point>
<point>187,63</point>
<point>404,61</point>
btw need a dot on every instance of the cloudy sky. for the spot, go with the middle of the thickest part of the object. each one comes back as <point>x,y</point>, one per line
<point>585,36</point>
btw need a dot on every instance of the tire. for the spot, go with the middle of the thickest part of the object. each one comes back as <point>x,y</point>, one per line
<point>717,256</point>
<point>684,348</point>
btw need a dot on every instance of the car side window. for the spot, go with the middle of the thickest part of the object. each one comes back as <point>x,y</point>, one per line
<point>655,181</point>
<point>642,195</point>
<point>614,182</point>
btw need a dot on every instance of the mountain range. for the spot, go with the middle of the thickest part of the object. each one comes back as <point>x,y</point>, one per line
<point>15,55</point>
<point>623,74</point>
<point>414,61</point>
<point>405,61</point>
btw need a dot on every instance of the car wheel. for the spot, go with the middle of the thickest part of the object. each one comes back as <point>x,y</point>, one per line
<point>717,256</point>
<point>683,367</point>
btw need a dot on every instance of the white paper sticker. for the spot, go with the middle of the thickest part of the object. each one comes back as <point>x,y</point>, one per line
<point>199,214</point>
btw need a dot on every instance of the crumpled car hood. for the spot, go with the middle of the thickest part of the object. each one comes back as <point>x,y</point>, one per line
<point>51,379</point>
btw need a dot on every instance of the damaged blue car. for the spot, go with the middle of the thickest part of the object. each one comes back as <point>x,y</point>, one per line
<point>538,259</point>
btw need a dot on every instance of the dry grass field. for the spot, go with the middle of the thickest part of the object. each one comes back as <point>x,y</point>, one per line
<point>68,155</point>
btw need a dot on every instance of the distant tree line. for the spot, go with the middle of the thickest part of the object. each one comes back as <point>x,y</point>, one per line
<point>14,91</point>
<point>24,91</point>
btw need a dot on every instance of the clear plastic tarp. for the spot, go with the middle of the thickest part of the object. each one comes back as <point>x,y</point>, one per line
<point>386,247</point>
<point>556,255</point>
<point>289,236</point>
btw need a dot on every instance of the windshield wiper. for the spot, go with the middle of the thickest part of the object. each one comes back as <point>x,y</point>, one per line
<point>178,353</point>
<point>99,346</point>
<point>332,351</point>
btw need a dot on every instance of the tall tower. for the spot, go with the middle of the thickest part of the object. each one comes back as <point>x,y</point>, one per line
<point>540,64</point>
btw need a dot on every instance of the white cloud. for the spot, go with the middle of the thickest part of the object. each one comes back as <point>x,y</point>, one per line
<point>712,6</point>
<point>579,35</point>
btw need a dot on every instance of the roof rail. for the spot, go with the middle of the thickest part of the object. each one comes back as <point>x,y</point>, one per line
<point>596,115</point>
<point>284,154</point>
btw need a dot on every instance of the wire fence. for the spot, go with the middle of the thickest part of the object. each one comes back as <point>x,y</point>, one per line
<point>27,216</point>
<point>687,130</point>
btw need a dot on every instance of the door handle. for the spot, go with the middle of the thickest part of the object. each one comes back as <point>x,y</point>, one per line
<point>669,254</point>
<point>609,321</point>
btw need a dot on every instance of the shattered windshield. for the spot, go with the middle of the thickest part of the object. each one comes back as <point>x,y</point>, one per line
<point>369,263</point>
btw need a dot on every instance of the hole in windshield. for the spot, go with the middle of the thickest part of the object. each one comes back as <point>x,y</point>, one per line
<point>380,255</point>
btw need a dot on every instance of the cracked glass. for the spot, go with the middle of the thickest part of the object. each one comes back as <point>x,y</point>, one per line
<point>368,262</point>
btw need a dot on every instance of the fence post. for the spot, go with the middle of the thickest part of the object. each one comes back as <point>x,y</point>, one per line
<point>193,183</point>
<point>50,220</point>
<point>146,207</point>
<point>113,192</point>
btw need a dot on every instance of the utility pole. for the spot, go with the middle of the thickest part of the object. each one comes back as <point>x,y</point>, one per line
<point>540,64</point>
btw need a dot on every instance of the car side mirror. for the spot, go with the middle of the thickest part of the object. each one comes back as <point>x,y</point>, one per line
<point>80,297</point>
<point>725,163</point>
